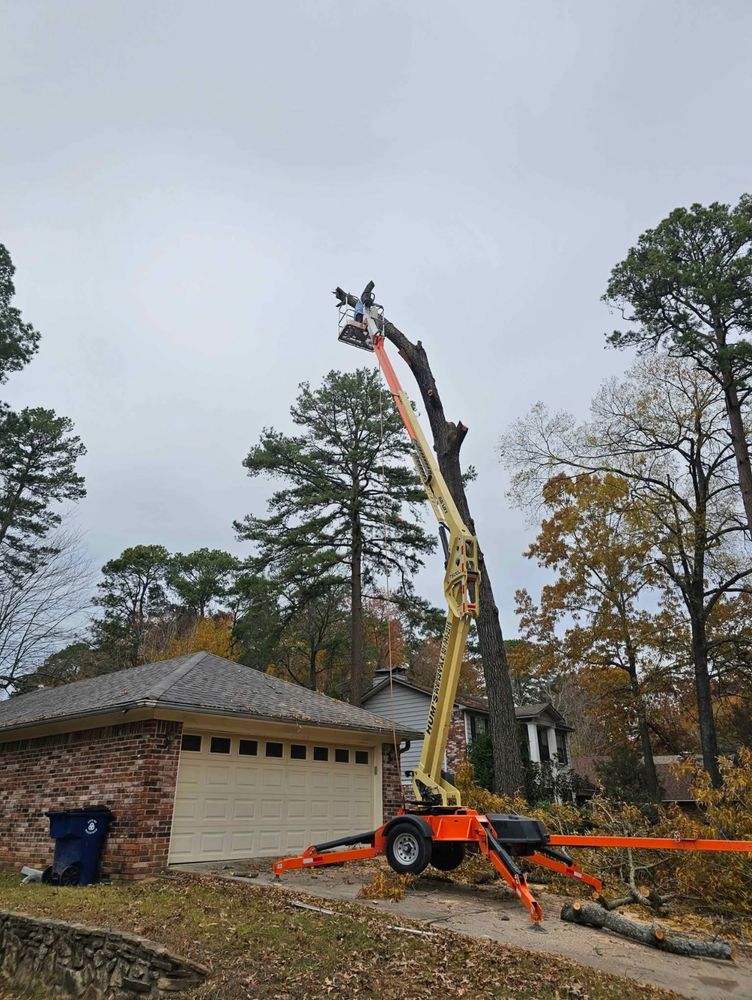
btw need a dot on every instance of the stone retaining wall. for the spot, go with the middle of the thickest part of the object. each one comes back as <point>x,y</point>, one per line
<point>90,963</point>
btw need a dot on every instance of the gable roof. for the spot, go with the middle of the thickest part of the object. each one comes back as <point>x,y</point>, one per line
<point>200,682</point>
<point>474,702</point>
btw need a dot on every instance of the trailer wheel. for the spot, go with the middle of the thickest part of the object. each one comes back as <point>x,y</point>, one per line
<point>448,855</point>
<point>408,851</point>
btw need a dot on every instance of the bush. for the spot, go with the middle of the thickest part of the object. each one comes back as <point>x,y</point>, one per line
<point>481,757</point>
<point>716,884</point>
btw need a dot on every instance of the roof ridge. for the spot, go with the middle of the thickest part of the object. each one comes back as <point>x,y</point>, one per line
<point>175,675</point>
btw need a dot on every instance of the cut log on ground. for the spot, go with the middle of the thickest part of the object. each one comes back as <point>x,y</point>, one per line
<point>591,915</point>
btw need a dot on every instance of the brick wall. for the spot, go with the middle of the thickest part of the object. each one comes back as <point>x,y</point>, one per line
<point>132,768</point>
<point>391,787</point>
<point>456,750</point>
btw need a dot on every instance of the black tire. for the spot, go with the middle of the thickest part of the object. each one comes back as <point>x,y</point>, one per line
<point>408,850</point>
<point>447,856</point>
<point>71,875</point>
<point>48,876</point>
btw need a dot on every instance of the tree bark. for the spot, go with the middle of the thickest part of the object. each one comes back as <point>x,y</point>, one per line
<point>356,613</point>
<point>741,448</point>
<point>651,777</point>
<point>653,935</point>
<point>447,440</point>
<point>706,719</point>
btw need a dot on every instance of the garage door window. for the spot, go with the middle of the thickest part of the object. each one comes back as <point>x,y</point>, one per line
<point>220,744</point>
<point>342,756</point>
<point>361,756</point>
<point>297,751</point>
<point>248,748</point>
<point>190,742</point>
<point>321,753</point>
<point>273,749</point>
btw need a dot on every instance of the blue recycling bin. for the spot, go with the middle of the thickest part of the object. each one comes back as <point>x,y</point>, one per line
<point>79,838</point>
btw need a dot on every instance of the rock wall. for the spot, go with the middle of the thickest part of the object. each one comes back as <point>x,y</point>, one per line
<point>91,963</point>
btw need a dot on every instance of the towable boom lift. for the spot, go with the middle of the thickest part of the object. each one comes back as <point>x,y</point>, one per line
<point>437,829</point>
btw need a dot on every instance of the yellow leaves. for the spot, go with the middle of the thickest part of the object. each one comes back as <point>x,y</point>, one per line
<point>386,884</point>
<point>212,635</point>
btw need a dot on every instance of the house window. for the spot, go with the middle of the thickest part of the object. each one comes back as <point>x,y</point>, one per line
<point>248,748</point>
<point>321,753</point>
<point>220,744</point>
<point>190,742</point>
<point>361,756</point>
<point>342,756</point>
<point>561,746</point>
<point>273,749</point>
<point>543,748</point>
<point>297,751</point>
<point>478,725</point>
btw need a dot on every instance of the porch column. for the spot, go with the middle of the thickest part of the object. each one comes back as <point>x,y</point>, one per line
<point>532,739</point>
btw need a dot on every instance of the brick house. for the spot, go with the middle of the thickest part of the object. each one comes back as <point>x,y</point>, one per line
<point>198,758</point>
<point>543,731</point>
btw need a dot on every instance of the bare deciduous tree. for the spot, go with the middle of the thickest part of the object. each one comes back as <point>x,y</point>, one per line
<point>40,608</point>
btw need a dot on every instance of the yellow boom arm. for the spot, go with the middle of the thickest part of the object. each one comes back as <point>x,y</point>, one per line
<point>461,585</point>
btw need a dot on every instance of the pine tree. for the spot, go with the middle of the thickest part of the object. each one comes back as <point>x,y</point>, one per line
<point>350,502</point>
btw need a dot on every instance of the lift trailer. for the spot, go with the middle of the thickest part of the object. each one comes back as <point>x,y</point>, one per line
<point>437,829</point>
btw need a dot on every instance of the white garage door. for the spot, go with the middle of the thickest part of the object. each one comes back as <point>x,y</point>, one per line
<point>239,797</point>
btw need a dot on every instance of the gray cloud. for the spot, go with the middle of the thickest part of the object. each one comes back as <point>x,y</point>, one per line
<point>182,184</point>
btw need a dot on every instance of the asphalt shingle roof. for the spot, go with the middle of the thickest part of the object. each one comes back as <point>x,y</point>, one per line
<point>201,682</point>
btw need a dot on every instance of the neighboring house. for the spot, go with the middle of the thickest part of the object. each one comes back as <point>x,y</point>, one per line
<point>544,730</point>
<point>199,758</point>
<point>675,786</point>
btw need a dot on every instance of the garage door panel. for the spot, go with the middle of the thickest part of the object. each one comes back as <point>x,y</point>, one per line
<point>216,808</point>
<point>244,809</point>
<point>270,842</point>
<point>296,809</point>
<point>242,843</point>
<point>246,777</point>
<point>212,842</point>
<point>250,806</point>
<point>218,775</point>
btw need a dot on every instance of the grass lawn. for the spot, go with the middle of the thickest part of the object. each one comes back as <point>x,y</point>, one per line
<point>258,946</point>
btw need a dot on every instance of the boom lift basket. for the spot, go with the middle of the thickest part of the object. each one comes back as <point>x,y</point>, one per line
<point>352,332</point>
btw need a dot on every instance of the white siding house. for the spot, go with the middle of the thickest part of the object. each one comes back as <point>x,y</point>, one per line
<point>541,725</point>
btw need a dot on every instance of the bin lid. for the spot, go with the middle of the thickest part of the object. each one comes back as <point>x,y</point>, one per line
<point>97,810</point>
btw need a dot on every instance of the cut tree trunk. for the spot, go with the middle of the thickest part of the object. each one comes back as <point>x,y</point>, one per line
<point>653,935</point>
<point>447,441</point>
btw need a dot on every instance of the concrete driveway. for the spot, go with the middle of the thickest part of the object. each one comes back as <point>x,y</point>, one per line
<point>490,911</point>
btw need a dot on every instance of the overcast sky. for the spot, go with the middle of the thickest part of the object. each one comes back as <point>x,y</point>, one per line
<point>182,184</point>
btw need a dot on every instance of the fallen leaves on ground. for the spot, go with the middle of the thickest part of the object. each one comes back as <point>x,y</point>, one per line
<point>259,947</point>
